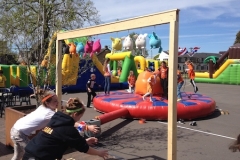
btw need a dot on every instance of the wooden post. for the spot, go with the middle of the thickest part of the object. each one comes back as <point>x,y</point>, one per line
<point>59,72</point>
<point>172,90</point>
<point>166,17</point>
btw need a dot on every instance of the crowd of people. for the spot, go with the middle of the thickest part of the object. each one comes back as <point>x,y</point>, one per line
<point>162,73</point>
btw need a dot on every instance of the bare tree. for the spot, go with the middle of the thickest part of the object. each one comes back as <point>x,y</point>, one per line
<point>29,25</point>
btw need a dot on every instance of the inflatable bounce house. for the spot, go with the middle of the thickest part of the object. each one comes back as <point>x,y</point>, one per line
<point>225,70</point>
<point>79,54</point>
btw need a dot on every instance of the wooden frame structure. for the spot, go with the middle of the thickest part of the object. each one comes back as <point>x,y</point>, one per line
<point>168,17</point>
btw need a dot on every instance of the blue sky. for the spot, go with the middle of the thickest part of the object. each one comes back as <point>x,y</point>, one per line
<point>211,25</point>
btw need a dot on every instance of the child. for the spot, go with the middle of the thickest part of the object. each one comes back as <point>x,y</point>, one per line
<point>90,89</point>
<point>34,121</point>
<point>107,76</point>
<point>119,71</point>
<point>2,80</point>
<point>131,81</point>
<point>163,74</point>
<point>180,83</point>
<point>191,74</point>
<point>59,134</point>
<point>151,81</point>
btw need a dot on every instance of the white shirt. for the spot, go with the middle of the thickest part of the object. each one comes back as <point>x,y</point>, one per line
<point>109,70</point>
<point>36,120</point>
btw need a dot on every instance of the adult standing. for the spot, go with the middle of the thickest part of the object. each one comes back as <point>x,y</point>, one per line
<point>163,74</point>
<point>107,76</point>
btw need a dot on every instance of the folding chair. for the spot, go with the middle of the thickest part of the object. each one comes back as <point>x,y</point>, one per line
<point>24,96</point>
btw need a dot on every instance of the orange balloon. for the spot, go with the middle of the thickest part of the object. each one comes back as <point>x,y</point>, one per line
<point>141,84</point>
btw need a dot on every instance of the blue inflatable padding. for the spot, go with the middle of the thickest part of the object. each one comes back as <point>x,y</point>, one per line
<point>205,100</point>
<point>187,103</point>
<point>132,102</point>
<point>159,104</point>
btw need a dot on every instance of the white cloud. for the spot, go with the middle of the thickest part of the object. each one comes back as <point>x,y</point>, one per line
<point>111,10</point>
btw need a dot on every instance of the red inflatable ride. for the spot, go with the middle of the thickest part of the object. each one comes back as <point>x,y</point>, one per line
<point>131,105</point>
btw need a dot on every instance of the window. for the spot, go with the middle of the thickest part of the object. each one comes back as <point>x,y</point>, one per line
<point>198,67</point>
<point>182,59</point>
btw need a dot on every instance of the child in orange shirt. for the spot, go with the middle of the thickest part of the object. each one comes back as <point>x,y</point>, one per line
<point>119,71</point>
<point>191,74</point>
<point>151,81</point>
<point>131,82</point>
<point>180,83</point>
<point>163,75</point>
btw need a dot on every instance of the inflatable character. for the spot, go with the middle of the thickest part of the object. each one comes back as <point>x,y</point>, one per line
<point>141,84</point>
<point>96,47</point>
<point>128,43</point>
<point>155,42</point>
<point>72,49</point>
<point>140,43</point>
<point>79,48</point>
<point>116,44</point>
<point>88,48</point>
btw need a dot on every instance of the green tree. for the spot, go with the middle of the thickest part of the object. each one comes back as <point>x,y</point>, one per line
<point>237,40</point>
<point>25,23</point>
<point>29,25</point>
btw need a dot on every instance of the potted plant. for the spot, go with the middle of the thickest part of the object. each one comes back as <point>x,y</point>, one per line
<point>12,114</point>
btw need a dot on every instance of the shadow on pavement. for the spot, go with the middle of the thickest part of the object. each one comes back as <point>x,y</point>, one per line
<point>5,150</point>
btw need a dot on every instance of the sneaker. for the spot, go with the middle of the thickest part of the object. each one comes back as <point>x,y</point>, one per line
<point>179,99</point>
<point>196,90</point>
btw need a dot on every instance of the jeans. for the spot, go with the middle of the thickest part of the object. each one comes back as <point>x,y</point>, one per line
<point>20,141</point>
<point>107,84</point>
<point>179,86</point>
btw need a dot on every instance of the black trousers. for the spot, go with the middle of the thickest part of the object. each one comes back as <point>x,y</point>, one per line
<point>194,85</point>
<point>164,84</point>
<point>91,95</point>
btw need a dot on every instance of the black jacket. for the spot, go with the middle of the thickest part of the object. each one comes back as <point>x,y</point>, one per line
<point>55,138</point>
<point>89,82</point>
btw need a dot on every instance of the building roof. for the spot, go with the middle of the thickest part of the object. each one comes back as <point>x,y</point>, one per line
<point>201,55</point>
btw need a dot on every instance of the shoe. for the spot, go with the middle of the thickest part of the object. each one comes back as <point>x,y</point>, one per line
<point>89,106</point>
<point>181,121</point>
<point>179,99</point>
<point>143,98</point>
<point>196,90</point>
<point>193,123</point>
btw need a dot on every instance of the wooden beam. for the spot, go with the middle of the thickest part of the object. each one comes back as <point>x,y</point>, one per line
<point>137,22</point>
<point>171,17</point>
<point>172,90</point>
